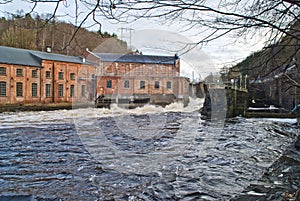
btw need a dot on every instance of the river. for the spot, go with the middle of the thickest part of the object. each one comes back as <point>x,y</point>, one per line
<point>148,153</point>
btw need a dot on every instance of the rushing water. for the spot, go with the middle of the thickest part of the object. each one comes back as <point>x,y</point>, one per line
<point>148,153</point>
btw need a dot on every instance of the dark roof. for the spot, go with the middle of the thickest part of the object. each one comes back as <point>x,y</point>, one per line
<point>57,57</point>
<point>25,57</point>
<point>135,58</point>
<point>11,55</point>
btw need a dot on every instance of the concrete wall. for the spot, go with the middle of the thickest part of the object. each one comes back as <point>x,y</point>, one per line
<point>224,103</point>
<point>197,90</point>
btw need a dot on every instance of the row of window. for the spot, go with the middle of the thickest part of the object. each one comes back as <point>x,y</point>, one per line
<point>142,84</point>
<point>19,89</point>
<point>60,75</point>
<point>61,90</point>
<point>34,90</point>
<point>19,73</point>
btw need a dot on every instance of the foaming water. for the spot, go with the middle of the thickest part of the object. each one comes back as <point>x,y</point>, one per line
<point>39,117</point>
<point>194,105</point>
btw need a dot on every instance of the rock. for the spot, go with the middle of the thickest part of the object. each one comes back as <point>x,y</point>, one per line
<point>297,144</point>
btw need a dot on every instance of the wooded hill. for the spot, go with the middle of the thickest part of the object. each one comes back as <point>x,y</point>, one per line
<point>38,32</point>
<point>274,72</point>
<point>274,59</point>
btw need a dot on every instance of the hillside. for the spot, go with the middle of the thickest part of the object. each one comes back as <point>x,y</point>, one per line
<point>274,72</point>
<point>38,32</point>
<point>274,58</point>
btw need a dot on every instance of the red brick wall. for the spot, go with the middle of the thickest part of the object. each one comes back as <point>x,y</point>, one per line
<point>9,83</point>
<point>26,79</point>
<point>78,71</point>
<point>83,79</point>
<point>137,69</point>
<point>135,72</point>
<point>86,73</point>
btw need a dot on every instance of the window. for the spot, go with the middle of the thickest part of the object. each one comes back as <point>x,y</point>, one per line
<point>108,84</point>
<point>48,74</point>
<point>60,75</point>
<point>156,85</point>
<point>72,76</point>
<point>72,90</point>
<point>83,90</point>
<point>142,85</point>
<point>34,89</point>
<point>48,90</point>
<point>127,69</point>
<point>19,72</point>
<point>126,84</point>
<point>2,71</point>
<point>34,73</point>
<point>169,85</point>
<point>2,89</point>
<point>19,90</point>
<point>60,90</point>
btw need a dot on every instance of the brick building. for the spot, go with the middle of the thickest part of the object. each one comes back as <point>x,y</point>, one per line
<point>33,77</point>
<point>139,79</point>
<point>30,77</point>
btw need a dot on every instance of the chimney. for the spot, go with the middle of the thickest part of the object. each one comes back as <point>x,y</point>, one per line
<point>48,49</point>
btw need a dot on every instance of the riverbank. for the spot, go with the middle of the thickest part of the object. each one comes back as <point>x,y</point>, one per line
<point>43,107</point>
<point>269,115</point>
<point>281,181</point>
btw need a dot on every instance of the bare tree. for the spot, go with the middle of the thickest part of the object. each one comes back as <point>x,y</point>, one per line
<point>214,18</point>
<point>220,17</point>
<point>275,19</point>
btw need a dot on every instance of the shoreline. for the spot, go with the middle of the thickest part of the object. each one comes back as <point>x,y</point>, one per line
<point>269,115</point>
<point>43,107</point>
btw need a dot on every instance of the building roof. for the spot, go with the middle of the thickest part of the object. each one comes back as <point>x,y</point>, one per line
<point>136,58</point>
<point>57,57</point>
<point>25,57</point>
<point>18,56</point>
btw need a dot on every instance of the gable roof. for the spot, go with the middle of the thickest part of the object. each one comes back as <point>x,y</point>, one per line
<point>136,58</point>
<point>10,55</point>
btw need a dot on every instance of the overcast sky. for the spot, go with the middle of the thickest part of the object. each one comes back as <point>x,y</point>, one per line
<point>152,37</point>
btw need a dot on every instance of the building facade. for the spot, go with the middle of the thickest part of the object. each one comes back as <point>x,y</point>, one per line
<point>31,77</point>
<point>139,79</point>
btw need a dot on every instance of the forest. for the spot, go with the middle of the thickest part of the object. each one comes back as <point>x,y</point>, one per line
<point>40,31</point>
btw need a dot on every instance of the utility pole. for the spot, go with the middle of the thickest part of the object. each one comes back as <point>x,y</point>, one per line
<point>130,33</point>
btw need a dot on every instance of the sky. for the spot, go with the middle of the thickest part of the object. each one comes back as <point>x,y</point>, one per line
<point>152,37</point>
